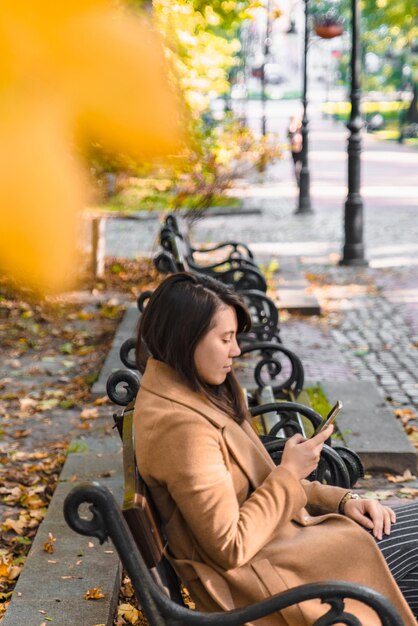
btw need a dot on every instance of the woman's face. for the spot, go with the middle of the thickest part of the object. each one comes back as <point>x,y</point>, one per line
<point>215,351</point>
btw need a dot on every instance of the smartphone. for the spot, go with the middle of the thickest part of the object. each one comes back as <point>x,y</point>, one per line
<point>330,418</point>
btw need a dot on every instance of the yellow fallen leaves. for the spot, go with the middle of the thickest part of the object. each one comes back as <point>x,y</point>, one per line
<point>89,414</point>
<point>8,570</point>
<point>382,494</point>
<point>49,544</point>
<point>26,520</point>
<point>71,72</point>
<point>407,492</point>
<point>129,613</point>
<point>403,478</point>
<point>95,593</point>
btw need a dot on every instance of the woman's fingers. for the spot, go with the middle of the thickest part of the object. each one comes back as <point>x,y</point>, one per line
<point>321,437</point>
<point>371,514</point>
<point>301,456</point>
<point>389,519</point>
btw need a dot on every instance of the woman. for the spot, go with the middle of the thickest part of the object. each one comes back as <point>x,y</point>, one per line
<point>239,528</point>
<point>294,134</point>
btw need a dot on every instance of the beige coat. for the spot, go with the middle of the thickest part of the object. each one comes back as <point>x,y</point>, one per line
<point>239,528</point>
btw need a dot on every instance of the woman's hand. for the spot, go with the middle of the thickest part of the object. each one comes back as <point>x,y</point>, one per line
<point>372,515</point>
<point>301,456</point>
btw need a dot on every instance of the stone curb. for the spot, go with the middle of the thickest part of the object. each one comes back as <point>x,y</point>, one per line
<point>51,587</point>
<point>125,330</point>
<point>369,428</point>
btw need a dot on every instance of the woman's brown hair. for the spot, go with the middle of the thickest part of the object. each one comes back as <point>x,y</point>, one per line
<point>178,315</point>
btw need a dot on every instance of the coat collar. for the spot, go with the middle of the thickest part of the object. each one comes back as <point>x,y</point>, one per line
<point>243,443</point>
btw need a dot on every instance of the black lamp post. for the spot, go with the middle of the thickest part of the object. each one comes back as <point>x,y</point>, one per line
<point>266,53</point>
<point>353,250</point>
<point>304,203</point>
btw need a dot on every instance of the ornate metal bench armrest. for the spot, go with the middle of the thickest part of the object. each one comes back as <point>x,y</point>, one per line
<point>230,262</point>
<point>122,386</point>
<point>243,278</point>
<point>240,248</point>
<point>107,521</point>
<point>272,365</point>
<point>165,263</point>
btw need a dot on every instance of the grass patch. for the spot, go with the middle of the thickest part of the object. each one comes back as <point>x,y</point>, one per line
<point>315,398</point>
<point>140,198</point>
<point>318,400</point>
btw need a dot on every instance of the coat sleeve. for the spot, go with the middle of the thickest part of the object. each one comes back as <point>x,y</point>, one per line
<point>193,466</point>
<point>322,498</point>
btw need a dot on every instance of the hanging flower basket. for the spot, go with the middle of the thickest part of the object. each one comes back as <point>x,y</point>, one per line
<point>328,31</point>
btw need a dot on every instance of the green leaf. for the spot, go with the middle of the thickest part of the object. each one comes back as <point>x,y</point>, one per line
<point>78,446</point>
<point>66,348</point>
<point>361,352</point>
<point>67,404</point>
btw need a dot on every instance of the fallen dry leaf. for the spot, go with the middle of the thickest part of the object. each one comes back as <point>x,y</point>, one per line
<point>17,526</point>
<point>407,492</point>
<point>8,571</point>
<point>95,593</point>
<point>379,495</point>
<point>49,544</point>
<point>406,477</point>
<point>89,414</point>
<point>129,613</point>
<point>102,400</point>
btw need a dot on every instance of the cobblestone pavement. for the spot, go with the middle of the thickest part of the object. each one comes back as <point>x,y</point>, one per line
<point>364,335</point>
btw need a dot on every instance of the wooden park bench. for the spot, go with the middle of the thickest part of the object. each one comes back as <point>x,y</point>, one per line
<point>237,272</point>
<point>225,251</point>
<point>138,536</point>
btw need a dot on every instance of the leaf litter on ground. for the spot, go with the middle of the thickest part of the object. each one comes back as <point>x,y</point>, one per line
<point>52,352</point>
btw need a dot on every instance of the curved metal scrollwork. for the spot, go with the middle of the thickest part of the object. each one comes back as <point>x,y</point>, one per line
<point>122,387</point>
<point>331,468</point>
<point>226,265</point>
<point>264,316</point>
<point>172,222</point>
<point>165,263</point>
<point>286,412</point>
<point>337,466</point>
<point>127,353</point>
<point>107,521</point>
<point>142,299</point>
<point>243,278</point>
<point>93,495</point>
<point>166,237</point>
<point>352,462</point>
<point>276,360</point>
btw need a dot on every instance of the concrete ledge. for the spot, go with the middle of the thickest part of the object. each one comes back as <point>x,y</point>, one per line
<point>51,587</point>
<point>126,329</point>
<point>298,301</point>
<point>369,427</point>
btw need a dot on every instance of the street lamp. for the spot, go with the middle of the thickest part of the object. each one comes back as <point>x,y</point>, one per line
<point>266,53</point>
<point>353,250</point>
<point>304,203</point>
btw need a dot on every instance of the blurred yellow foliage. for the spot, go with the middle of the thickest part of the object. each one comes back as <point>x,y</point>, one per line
<point>70,72</point>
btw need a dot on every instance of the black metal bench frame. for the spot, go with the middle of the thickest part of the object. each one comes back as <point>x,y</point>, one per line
<point>233,249</point>
<point>236,272</point>
<point>139,540</point>
<point>338,465</point>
